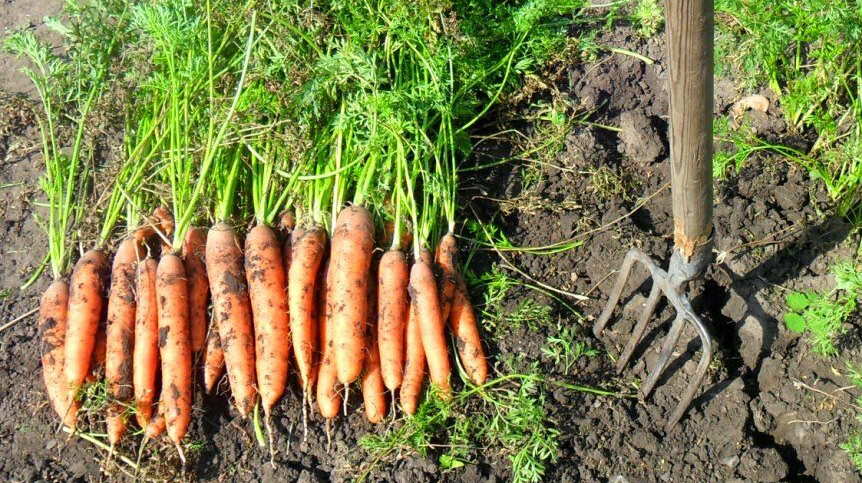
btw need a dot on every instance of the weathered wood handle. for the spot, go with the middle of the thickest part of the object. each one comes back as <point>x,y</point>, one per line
<point>690,53</point>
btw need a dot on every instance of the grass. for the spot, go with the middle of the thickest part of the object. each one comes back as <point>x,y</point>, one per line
<point>853,445</point>
<point>821,316</point>
<point>806,52</point>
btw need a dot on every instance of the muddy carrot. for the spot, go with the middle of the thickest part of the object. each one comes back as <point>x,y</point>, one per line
<point>120,336</point>
<point>414,364</point>
<point>462,319</point>
<point>100,351</point>
<point>145,357</point>
<point>157,425</point>
<point>267,285</point>
<point>85,310</point>
<point>53,310</point>
<point>445,265</point>
<point>213,361</point>
<point>426,306</point>
<point>328,397</point>
<point>194,248</point>
<point>308,252</point>
<point>174,345</point>
<point>393,307</point>
<point>232,310</point>
<point>352,243</point>
<point>373,390</point>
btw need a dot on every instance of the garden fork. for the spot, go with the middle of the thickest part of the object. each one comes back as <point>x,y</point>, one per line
<point>690,50</point>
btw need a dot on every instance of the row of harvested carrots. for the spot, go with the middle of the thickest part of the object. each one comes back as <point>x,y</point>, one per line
<point>347,313</point>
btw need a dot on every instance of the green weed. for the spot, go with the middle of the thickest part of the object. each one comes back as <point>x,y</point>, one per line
<point>822,315</point>
<point>853,446</point>
<point>564,350</point>
<point>648,17</point>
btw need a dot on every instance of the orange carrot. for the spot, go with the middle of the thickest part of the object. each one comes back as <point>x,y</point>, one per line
<point>53,311</point>
<point>194,248</point>
<point>393,308</point>
<point>213,361</point>
<point>328,397</point>
<point>352,243</point>
<point>445,266</point>
<point>145,357</point>
<point>174,345</point>
<point>267,289</point>
<point>308,251</point>
<point>121,335</point>
<point>426,306</point>
<point>100,351</point>
<point>373,390</point>
<point>286,223</point>
<point>156,427</point>
<point>372,384</point>
<point>389,235</point>
<point>414,364</point>
<point>232,310</point>
<point>86,292</point>
<point>466,331</point>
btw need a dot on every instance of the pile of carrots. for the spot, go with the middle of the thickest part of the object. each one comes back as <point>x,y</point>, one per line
<point>348,311</point>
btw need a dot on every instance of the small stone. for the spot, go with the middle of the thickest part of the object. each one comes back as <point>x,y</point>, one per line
<point>755,102</point>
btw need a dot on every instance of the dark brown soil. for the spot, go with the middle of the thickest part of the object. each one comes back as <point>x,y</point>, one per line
<point>761,415</point>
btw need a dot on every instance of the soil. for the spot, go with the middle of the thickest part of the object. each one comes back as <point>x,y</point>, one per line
<point>762,414</point>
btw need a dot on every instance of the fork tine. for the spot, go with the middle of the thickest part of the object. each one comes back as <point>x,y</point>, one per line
<point>640,328</point>
<point>616,293</point>
<point>702,367</point>
<point>670,342</point>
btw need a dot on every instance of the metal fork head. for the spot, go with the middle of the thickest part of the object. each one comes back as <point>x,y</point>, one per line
<point>671,284</point>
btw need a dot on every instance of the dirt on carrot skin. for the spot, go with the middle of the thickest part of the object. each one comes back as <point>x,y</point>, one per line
<point>757,417</point>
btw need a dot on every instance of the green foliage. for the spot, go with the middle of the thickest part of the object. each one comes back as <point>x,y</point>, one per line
<point>648,17</point>
<point>822,315</point>
<point>510,419</point>
<point>564,350</point>
<point>853,446</point>
<point>68,88</point>
<point>806,51</point>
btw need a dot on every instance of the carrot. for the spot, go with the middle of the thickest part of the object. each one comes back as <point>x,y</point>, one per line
<point>328,398</point>
<point>100,351</point>
<point>308,251</point>
<point>352,242</point>
<point>462,319</point>
<point>120,335</point>
<point>286,223</point>
<point>445,263</point>
<point>414,364</point>
<point>157,426</point>
<point>85,311</point>
<point>389,235</point>
<point>174,345</point>
<point>426,306</point>
<point>393,308</point>
<point>267,289</point>
<point>213,361</point>
<point>145,357</point>
<point>372,380</point>
<point>232,310</point>
<point>372,384</point>
<point>194,247</point>
<point>53,311</point>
